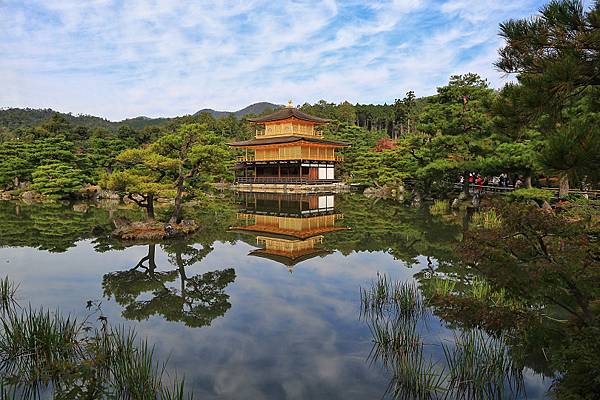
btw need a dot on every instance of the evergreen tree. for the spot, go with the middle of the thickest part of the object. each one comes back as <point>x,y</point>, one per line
<point>141,177</point>
<point>57,180</point>
<point>15,164</point>
<point>556,57</point>
<point>193,152</point>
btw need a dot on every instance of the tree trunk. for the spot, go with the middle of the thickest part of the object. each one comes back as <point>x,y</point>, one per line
<point>151,258</point>
<point>150,206</point>
<point>175,217</point>
<point>563,186</point>
<point>528,180</point>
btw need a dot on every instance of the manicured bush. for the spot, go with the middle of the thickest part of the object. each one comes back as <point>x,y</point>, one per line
<point>57,180</point>
<point>537,195</point>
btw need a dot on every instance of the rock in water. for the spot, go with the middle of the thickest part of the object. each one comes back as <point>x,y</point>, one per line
<point>476,200</point>
<point>108,194</point>
<point>31,195</point>
<point>152,230</point>
<point>462,196</point>
<point>455,203</point>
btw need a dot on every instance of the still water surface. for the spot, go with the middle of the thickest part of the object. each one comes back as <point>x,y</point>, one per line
<point>263,303</point>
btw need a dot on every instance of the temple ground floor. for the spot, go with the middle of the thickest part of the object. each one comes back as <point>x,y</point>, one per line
<point>286,172</point>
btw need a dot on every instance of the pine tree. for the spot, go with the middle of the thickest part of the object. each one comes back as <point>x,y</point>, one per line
<point>57,180</point>
<point>556,57</point>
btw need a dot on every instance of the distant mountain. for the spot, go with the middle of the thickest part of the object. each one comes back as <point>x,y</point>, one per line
<point>141,122</point>
<point>256,108</point>
<point>13,118</point>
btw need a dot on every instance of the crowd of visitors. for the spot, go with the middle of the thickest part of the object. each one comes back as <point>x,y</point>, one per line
<point>504,181</point>
<point>501,181</point>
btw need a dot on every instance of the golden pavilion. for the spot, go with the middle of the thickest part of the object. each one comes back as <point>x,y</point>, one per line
<point>288,151</point>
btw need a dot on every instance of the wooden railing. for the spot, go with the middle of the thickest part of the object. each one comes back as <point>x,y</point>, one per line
<point>284,180</point>
<point>474,188</point>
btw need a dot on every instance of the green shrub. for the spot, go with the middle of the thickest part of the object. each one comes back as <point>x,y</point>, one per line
<point>524,195</point>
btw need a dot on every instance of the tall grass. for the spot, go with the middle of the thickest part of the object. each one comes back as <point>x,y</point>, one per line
<point>393,310</point>
<point>441,287</point>
<point>415,377</point>
<point>488,219</point>
<point>439,207</point>
<point>43,352</point>
<point>384,296</point>
<point>474,365</point>
<point>35,344</point>
<point>480,289</point>
<point>393,338</point>
<point>480,367</point>
<point>8,292</point>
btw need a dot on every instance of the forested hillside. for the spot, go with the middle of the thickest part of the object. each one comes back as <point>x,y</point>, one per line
<point>15,118</point>
<point>467,127</point>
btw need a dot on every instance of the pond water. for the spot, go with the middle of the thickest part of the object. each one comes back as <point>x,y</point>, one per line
<point>263,303</point>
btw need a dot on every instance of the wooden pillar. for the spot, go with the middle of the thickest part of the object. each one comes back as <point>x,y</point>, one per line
<point>279,171</point>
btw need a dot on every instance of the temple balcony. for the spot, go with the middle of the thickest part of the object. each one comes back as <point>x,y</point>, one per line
<point>289,157</point>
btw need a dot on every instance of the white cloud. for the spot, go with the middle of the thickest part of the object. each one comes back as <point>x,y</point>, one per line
<point>163,58</point>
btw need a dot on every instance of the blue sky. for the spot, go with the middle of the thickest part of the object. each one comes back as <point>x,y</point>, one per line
<point>120,59</point>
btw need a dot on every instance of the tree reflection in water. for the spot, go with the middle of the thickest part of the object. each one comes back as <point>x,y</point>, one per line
<point>144,291</point>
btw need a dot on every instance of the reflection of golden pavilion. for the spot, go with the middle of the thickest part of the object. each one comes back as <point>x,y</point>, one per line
<point>289,228</point>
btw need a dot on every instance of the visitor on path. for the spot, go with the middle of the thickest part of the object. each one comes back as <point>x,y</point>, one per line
<point>518,183</point>
<point>479,182</point>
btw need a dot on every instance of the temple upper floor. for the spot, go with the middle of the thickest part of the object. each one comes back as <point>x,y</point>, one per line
<point>288,121</point>
<point>287,127</point>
